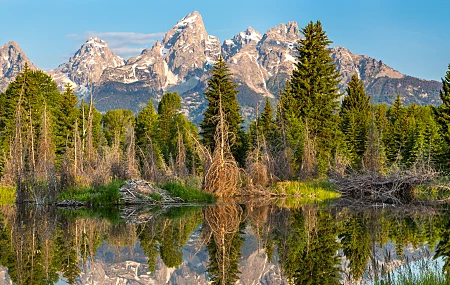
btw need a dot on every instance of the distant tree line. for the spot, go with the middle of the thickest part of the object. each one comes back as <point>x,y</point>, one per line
<point>49,140</point>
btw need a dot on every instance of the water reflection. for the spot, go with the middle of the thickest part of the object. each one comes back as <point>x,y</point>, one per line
<point>223,232</point>
<point>224,244</point>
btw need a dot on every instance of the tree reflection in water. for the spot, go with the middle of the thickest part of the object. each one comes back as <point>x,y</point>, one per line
<point>305,244</point>
<point>222,231</point>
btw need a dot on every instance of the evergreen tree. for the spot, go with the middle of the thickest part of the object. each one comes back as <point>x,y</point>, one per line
<point>443,111</point>
<point>395,135</point>
<point>355,115</point>
<point>266,121</point>
<point>222,89</point>
<point>168,109</point>
<point>289,138</point>
<point>423,140</point>
<point>67,114</point>
<point>314,92</point>
<point>175,134</point>
<point>146,125</point>
<point>26,94</point>
<point>264,127</point>
<point>66,256</point>
<point>115,123</point>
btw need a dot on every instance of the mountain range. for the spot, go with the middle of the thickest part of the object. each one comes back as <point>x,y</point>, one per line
<point>181,62</point>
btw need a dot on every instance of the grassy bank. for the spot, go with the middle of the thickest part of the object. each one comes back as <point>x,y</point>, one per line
<point>109,194</point>
<point>7,195</point>
<point>102,196</point>
<point>187,193</point>
<point>307,191</point>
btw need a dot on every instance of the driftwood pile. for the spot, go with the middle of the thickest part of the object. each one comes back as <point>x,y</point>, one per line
<point>395,188</point>
<point>140,191</point>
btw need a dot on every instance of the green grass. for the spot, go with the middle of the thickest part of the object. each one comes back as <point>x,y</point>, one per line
<point>431,277</point>
<point>307,191</point>
<point>102,196</point>
<point>187,193</point>
<point>432,193</point>
<point>7,195</point>
<point>423,272</point>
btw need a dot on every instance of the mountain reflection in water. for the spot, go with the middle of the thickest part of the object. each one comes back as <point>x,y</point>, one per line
<point>252,243</point>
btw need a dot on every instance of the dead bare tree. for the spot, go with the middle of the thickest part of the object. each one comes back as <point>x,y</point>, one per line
<point>45,176</point>
<point>282,153</point>
<point>373,158</point>
<point>151,163</point>
<point>308,168</point>
<point>180,163</point>
<point>258,164</point>
<point>132,170</point>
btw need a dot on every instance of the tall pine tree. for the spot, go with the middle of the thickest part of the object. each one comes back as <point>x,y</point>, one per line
<point>396,133</point>
<point>221,88</point>
<point>67,114</point>
<point>355,115</point>
<point>146,125</point>
<point>314,91</point>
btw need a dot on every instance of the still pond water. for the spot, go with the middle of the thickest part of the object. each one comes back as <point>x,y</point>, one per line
<point>252,243</point>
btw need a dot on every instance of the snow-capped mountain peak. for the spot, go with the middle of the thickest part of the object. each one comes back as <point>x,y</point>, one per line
<point>249,35</point>
<point>88,63</point>
<point>12,61</point>
<point>189,19</point>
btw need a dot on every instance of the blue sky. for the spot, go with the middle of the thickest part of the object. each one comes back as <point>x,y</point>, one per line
<point>410,36</point>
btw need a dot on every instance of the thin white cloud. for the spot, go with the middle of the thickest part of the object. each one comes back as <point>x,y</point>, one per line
<point>125,44</point>
<point>128,50</point>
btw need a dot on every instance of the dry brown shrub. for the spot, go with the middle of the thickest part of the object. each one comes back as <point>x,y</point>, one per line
<point>222,177</point>
<point>223,174</point>
<point>257,171</point>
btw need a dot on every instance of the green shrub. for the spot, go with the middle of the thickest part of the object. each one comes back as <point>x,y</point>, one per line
<point>7,195</point>
<point>155,196</point>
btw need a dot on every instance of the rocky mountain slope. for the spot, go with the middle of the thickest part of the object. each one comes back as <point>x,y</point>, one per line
<point>12,61</point>
<point>87,65</point>
<point>382,82</point>
<point>181,62</point>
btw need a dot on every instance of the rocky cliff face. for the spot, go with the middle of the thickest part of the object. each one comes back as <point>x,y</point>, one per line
<point>181,62</point>
<point>12,62</point>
